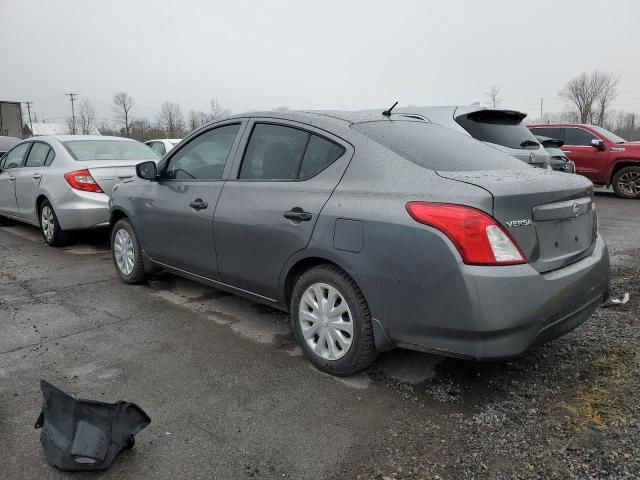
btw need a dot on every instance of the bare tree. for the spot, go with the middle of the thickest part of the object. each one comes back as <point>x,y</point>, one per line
<point>72,125</point>
<point>494,99</point>
<point>591,95</point>
<point>608,93</point>
<point>122,104</point>
<point>140,128</point>
<point>281,108</point>
<point>87,117</point>
<point>171,120</point>
<point>217,111</point>
<point>196,119</point>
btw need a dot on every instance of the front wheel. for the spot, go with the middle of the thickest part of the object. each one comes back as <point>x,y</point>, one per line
<point>331,321</point>
<point>50,227</point>
<point>626,182</point>
<point>127,253</point>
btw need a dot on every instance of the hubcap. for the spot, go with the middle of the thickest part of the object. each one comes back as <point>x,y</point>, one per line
<point>123,251</point>
<point>325,321</point>
<point>46,219</point>
<point>629,183</point>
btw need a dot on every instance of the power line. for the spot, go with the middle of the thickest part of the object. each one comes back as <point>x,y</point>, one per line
<point>73,111</point>
<point>29,110</point>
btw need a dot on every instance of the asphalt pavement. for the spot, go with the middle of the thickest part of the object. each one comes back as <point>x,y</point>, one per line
<point>229,394</point>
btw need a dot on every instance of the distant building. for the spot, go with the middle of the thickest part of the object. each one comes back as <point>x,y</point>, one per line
<point>10,119</point>
<point>46,128</point>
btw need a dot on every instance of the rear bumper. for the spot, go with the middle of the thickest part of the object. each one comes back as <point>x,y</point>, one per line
<point>82,210</point>
<point>500,312</point>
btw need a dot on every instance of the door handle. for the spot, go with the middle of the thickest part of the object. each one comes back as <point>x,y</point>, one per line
<point>12,178</point>
<point>36,176</point>
<point>298,215</point>
<point>198,204</point>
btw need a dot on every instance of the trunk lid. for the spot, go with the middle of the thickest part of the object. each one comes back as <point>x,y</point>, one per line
<point>109,173</point>
<point>549,214</point>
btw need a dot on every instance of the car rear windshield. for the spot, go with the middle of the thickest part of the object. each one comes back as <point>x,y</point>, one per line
<point>436,148</point>
<point>501,127</point>
<point>82,150</point>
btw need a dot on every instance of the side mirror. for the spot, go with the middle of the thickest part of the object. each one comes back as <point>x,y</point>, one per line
<point>599,144</point>
<point>147,170</point>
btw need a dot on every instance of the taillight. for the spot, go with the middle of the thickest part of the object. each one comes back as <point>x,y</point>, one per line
<point>82,180</point>
<point>478,237</point>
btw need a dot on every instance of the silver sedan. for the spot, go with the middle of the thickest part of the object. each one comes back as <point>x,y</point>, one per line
<point>63,183</point>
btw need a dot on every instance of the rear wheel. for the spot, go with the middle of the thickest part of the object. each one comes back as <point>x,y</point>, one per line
<point>50,227</point>
<point>127,253</point>
<point>331,321</point>
<point>626,182</point>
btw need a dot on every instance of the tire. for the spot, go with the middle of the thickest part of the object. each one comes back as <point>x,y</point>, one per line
<point>50,227</point>
<point>336,357</point>
<point>127,254</point>
<point>626,182</point>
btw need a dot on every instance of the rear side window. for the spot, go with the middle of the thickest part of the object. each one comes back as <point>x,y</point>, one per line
<point>437,148</point>
<point>551,132</point>
<point>39,154</point>
<point>158,147</point>
<point>578,136</point>
<point>500,127</point>
<point>277,152</point>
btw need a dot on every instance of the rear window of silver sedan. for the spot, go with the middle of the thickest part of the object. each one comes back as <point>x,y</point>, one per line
<point>82,150</point>
<point>437,148</point>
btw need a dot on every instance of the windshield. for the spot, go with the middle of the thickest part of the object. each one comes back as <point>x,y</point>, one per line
<point>612,137</point>
<point>499,127</point>
<point>437,148</point>
<point>82,150</point>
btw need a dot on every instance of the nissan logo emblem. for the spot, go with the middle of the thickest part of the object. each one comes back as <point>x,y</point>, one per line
<point>532,156</point>
<point>576,209</point>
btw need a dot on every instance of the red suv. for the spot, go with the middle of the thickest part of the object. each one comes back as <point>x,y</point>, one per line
<point>601,156</point>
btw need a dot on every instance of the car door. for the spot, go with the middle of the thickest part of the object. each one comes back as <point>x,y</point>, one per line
<point>177,217</point>
<point>588,159</point>
<point>268,209</point>
<point>28,178</point>
<point>13,160</point>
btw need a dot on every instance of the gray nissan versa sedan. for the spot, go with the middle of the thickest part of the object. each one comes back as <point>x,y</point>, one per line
<point>372,231</point>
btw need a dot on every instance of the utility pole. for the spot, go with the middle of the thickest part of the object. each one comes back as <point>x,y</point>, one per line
<point>29,110</point>
<point>73,112</point>
<point>541,101</point>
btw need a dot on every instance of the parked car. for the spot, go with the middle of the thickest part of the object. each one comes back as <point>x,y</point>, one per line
<point>601,156</point>
<point>373,234</point>
<point>6,143</point>
<point>62,183</point>
<point>501,129</point>
<point>558,160</point>
<point>163,145</point>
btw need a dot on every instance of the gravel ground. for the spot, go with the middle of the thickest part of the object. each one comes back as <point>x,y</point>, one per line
<point>570,409</point>
<point>231,396</point>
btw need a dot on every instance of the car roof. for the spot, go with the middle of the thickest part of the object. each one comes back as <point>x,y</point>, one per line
<point>66,138</point>
<point>163,140</point>
<point>587,125</point>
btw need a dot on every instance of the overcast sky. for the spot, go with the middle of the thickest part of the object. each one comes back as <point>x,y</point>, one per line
<point>324,54</point>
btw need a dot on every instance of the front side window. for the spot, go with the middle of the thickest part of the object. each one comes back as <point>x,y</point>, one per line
<point>83,150</point>
<point>204,157</point>
<point>612,137</point>
<point>277,152</point>
<point>158,147</point>
<point>39,154</point>
<point>14,157</point>
<point>579,137</point>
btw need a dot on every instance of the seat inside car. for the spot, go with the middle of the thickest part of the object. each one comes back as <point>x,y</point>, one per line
<point>277,162</point>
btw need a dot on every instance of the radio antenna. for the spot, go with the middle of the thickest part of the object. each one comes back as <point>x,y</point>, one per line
<point>387,113</point>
